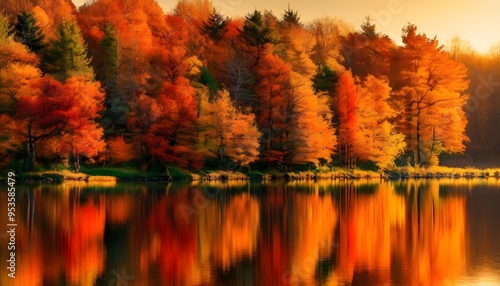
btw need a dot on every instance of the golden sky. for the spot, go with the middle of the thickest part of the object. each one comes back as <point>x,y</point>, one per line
<point>476,21</point>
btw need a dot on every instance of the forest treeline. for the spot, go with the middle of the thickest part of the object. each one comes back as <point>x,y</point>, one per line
<point>118,81</point>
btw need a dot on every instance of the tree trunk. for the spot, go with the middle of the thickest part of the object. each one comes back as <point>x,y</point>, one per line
<point>340,149</point>
<point>31,149</point>
<point>418,158</point>
<point>169,177</point>
<point>76,158</point>
<point>269,140</point>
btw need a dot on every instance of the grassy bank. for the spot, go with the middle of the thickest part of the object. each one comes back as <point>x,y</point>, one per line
<point>443,172</point>
<point>131,173</point>
<point>61,173</point>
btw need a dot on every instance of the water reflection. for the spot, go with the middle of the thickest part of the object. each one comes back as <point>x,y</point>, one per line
<point>426,232</point>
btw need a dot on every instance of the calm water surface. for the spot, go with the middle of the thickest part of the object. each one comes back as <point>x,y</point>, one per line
<point>426,232</point>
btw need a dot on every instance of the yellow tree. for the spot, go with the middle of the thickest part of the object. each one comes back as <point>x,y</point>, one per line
<point>325,37</point>
<point>378,141</point>
<point>310,134</point>
<point>430,89</point>
<point>228,132</point>
<point>294,45</point>
<point>18,76</point>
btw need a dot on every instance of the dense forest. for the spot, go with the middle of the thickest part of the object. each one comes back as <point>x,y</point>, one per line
<point>121,82</point>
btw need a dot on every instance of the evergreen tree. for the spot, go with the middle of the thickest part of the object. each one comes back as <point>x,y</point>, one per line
<point>67,55</point>
<point>255,31</point>
<point>257,36</point>
<point>325,80</point>
<point>216,26</point>
<point>28,33</point>
<point>114,119</point>
<point>207,79</point>
<point>291,18</point>
<point>368,29</point>
<point>109,70</point>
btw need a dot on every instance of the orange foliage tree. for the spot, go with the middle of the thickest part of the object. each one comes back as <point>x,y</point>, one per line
<point>430,88</point>
<point>365,131</point>
<point>367,52</point>
<point>294,121</point>
<point>271,93</point>
<point>67,111</point>
<point>228,132</point>
<point>310,136</point>
<point>83,135</point>
<point>346,103</point>
<point>166,126</point>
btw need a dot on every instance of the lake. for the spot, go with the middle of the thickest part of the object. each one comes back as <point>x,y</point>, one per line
<point>331,232</point>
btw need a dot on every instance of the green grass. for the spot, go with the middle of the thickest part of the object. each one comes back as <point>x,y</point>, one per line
<point>114,172</point>
<point>256,175</point>
<point>131,173</point>
<point>179,173</point>
<point>59,172</point>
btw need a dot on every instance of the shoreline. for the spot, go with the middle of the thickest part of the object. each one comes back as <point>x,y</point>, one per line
<point>398,174</point>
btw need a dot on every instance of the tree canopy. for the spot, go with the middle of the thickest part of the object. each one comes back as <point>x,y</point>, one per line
<point>195,88</point>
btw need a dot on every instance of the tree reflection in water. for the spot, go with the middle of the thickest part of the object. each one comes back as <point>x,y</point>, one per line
<point>293,233</point>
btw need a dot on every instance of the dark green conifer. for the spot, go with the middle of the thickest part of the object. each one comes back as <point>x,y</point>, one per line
<point>28,32</point>
<point>216,26</point>
<point>67,54</point>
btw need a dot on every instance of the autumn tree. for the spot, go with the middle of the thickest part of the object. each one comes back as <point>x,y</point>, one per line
<point>67,54</point>
<point>379,142</point>
<point>145,112</point>
<point>228,132</point>
<point>40,112</point>
<point>17,68</point>
<point>367,52</point>
<point>57,10</point>
<point>365,117</point>
<point>309,134</point>
<point>271,92</point>
<point>345,104</point>
<point>133,23</point>
<point>173,56</point>
<point>10,138</point>
<point>65,111</point>
<point>5,30</point>
<point>28,32</point>
<point>294,44</point>
<point>236,73</point>
<point>430,87</point>
<point>326,34</point>
<point>83,136</point>
<point>167,125</point>
<point>294,121</point>
<point>18,76</point>
<point>194,14</point>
